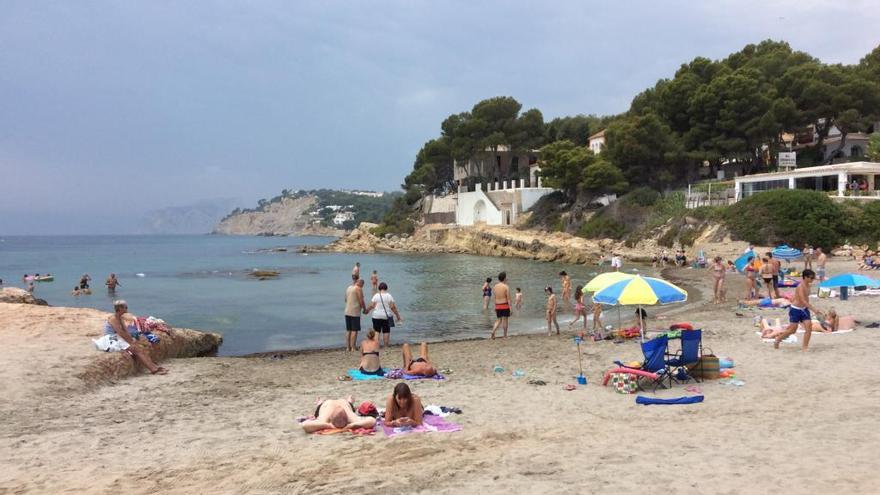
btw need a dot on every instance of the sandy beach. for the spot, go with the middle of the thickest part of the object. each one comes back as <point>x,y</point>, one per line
<point>801,423</point>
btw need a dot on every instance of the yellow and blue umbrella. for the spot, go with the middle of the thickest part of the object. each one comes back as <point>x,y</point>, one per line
<point>603,280</point>
<point>641,291</point>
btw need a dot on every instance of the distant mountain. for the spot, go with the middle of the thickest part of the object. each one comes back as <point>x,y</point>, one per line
<point>197,218</point>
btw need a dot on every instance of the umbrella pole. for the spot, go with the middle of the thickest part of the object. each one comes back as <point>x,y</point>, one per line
<point>641,323</point>
<point>619,322</point>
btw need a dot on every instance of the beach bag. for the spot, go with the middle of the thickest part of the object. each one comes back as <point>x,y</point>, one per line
<point>708,367</point>
<point>625,383</point>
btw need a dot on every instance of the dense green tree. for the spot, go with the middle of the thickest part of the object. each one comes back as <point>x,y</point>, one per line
<point>874,147</point>
<point>575,169</point>
<point>645,149</point>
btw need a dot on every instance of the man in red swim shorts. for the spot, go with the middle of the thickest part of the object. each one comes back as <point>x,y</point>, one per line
<point>502,304</point>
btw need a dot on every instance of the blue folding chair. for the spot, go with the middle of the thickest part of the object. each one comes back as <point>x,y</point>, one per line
<point>689,356</point>
<point>654,351</point>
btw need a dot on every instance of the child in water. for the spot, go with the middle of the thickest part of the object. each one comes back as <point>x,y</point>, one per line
<point>518,299</point>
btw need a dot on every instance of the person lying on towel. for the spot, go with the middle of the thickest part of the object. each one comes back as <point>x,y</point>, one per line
<point>337,413</point>
<point>420,366</point>
<point>831,322</point>
<point>403,407</point>
<point>766,302</point>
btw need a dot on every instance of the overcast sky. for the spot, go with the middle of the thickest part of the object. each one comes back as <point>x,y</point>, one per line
<point>109,109</point>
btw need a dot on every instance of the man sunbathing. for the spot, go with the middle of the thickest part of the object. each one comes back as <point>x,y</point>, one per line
<point>336,413</point>
<point>831,322</point>
<point>766,302</point>
<point>403,407</point>
<point>421,366</point>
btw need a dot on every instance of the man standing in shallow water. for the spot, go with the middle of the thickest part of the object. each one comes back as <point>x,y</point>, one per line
<point>502,304</point>
<point>354,307</point>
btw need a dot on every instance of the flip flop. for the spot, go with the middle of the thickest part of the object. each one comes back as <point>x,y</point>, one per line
<point>159,371</point>
<point>537,382</point>
<point>693,389</point>
<point>569,387</point>
<point>344,378</point>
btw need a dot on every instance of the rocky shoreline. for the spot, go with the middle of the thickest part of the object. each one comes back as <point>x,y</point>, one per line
<point>519,243</point>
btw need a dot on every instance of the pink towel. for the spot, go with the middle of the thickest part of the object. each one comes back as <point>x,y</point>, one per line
<point>429,423</point>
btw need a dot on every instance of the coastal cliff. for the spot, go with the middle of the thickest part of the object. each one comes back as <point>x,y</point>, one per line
<point>288,216</point>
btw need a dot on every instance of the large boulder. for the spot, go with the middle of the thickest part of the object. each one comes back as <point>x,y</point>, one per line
<point>21,296</point>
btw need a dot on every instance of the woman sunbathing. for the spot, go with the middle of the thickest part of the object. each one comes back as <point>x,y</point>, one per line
<point>403,407</point>
<point>370,355</point>
<point>421,366</point>
<point>831,322</point>
<point>337,413</point>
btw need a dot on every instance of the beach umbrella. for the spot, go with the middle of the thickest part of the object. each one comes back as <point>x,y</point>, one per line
<point>741,262</point>
<point>641,291</point>
<point>850,280</point>
<point>603,280</point>
<point>786,253</point>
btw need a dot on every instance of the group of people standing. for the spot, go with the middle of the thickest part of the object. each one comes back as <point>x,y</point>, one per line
<point>385,315</point>
<point>503,304</point>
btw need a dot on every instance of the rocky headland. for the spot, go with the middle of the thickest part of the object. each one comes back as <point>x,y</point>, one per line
<point>289,216</point>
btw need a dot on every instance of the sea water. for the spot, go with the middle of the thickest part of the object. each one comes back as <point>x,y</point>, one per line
<point>202,282</point>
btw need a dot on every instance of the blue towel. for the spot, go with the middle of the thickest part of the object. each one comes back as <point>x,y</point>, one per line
<point>647,401</point>
<point>356,374</point>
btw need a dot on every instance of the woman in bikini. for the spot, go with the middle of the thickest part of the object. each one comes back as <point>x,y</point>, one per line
<point>403,407</point>
<point>421,365</point>
<point>751,272</point>
<point>579,308</point>
<point>370,355</point>
<point>487,293</point>
<point>718,272</point>
<point>767,276</point>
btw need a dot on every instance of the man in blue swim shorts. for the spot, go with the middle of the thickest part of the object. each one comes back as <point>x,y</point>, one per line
<point>799,311</point>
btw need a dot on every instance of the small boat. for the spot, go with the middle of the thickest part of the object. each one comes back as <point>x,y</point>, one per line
<point>45,278</point>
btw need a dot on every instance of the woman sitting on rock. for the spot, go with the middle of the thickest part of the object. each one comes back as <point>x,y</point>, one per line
<point>125,326</point>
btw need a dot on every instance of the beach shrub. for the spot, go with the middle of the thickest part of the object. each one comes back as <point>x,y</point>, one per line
<point>600,227</point>
<point>642,196</point>
<point>792,216</point>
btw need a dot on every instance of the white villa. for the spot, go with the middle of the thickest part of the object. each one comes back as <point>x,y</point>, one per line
<point>493,189</point>
<point>837,180</point>
<point>597,142</point>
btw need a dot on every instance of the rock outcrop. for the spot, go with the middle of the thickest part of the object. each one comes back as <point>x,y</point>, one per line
<point>527,244</point>
<point>181,343</point>
<point>286,217</point>
<point>21,296</point>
